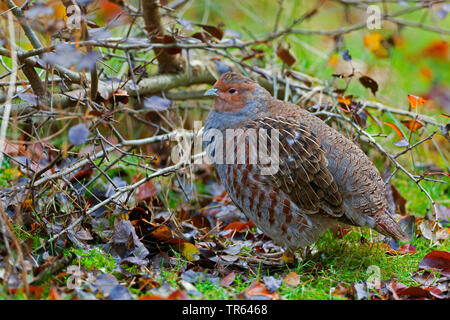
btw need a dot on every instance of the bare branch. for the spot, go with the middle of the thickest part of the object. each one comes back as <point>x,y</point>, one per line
<point>167,63</point>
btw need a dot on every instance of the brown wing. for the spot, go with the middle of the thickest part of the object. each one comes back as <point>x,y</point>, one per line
<point>303,173</point>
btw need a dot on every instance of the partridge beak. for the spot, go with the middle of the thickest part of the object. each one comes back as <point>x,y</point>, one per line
<point>211,92</point>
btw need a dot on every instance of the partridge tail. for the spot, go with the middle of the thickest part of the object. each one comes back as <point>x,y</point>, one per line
<point>386,225</point>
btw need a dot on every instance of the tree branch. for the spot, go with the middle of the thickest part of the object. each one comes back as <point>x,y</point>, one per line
<point>167,63</point>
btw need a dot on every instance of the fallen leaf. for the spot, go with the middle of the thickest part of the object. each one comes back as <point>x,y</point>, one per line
<point>29,97</point>
<point>408,225</point>
<point>176,295</point>
<point>438,261</point>
<point>287,259</point>
<point>120,293</point>
<point>257,289</point>
<point>442,214</point>
<point>272,284</point>
<point>189,251</point>
<point>237,226</point>
<point>192,276</point>
<point>360,290</point>
<point>292,279</point>
<point>413,292</point>
<point>36,291</point>
<point>228,279</point>
<point>162,233</point>
<point>146,192</point>
<point>54,294</point>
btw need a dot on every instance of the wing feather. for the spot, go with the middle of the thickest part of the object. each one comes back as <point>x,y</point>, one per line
<point>303,173</point>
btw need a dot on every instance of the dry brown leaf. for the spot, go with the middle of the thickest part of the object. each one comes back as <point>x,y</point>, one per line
<point>292,279</point>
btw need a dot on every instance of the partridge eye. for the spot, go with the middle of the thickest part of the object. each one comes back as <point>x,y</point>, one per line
<point>232,90</point>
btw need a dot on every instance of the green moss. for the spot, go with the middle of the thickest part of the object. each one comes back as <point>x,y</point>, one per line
<point>94,259</point>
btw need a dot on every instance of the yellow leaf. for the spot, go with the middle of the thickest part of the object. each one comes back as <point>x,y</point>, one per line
<point>333,61</point>
<point>287,259</point>
<point>189,251</point>
<point>59,11</point>
<point>373,42</point>
<point>11,174</point>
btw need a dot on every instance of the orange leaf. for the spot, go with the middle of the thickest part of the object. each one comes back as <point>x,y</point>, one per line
<point>36,291</point>
<point>372,41</point>
<point>436,49</point>
<point>292,279</point>
<point>426,72</point>
<point>238,226</point>
<point>415,101</point>
<point>54,294</point>
<point>162,233</point>
<point>384,246</point>
<point>259,289</point>
<point>412,125</point>
<point>333,61</point>
<point>347,100</point>
<point>59,10</point>
<point>397,130</point>
<point>108,10</point>
<point>176,295</point>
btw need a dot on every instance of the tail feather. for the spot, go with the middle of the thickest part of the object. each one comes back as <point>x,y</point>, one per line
<point>386,225</point>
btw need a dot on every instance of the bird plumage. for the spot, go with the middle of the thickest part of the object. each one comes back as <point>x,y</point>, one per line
<point>323,179</point>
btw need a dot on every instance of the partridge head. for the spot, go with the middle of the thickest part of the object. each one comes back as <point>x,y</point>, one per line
<point>322,178</point>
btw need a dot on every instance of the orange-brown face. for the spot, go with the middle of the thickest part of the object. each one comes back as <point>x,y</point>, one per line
<point>231,92</point>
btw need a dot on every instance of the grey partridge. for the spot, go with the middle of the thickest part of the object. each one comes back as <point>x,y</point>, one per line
<point>323,179</point>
